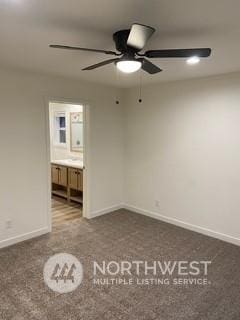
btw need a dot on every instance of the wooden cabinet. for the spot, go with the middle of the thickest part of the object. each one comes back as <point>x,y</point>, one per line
<point>55,174</point>
<point>80,180</point>
<point>75,179</point>
<point>63,177</point>
<point>67,182</point>
<point>59,175</point>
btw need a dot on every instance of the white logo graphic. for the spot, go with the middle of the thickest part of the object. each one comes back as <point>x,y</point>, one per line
<point>63,273</point>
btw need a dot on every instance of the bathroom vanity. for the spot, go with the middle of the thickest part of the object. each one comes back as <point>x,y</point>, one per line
<point>67,179</point>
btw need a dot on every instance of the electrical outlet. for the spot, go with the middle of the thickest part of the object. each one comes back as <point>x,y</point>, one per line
<point>157,203</point>
<point>8,224</point>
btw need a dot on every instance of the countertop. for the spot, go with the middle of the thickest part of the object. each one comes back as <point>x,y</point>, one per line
<point>69,163</point>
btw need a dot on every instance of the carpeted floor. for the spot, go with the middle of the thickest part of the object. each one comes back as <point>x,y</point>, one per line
<point>121,235</point>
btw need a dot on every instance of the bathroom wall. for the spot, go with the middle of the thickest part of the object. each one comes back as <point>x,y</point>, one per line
<point>63,152</point>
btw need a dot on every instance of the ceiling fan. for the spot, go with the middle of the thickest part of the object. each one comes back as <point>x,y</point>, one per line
<point>130,42</point>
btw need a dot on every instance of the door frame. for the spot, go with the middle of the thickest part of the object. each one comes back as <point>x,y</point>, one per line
<point>86,154</point>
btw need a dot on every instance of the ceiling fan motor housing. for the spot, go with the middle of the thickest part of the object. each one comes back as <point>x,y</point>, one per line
<point>120,38</point>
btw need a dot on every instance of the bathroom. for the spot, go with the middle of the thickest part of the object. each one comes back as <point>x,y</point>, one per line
<point>66,151</point>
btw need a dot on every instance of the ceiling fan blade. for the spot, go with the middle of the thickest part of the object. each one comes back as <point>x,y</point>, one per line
<point>139,35</point>
<point>100,64</point>
<point>57,46</point>
<point>178,53</point>
<point>150,67</point>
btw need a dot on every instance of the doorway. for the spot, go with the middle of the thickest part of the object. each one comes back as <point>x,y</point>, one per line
<point>67,162</point>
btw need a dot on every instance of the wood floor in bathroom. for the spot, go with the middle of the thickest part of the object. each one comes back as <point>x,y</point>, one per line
<point>63,212</point>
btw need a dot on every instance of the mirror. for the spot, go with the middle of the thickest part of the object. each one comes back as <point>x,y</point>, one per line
<point>76,131</point>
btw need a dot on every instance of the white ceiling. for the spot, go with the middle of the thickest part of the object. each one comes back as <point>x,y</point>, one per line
<point>28,26</point>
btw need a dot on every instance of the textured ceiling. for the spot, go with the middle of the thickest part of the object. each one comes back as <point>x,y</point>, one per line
<point>28,26</point>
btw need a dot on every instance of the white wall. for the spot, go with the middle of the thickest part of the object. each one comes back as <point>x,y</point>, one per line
<point>24,162</point>
<point>183,150</point>
<point>59,152</point>
<point>181,147</point>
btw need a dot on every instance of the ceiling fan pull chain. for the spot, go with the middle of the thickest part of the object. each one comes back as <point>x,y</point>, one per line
<point>140,86</point>
<point>117,81</point>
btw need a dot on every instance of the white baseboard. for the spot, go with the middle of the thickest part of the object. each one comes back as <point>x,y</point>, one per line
<point>23,237</point>
<point>155,215</point>
<point>101,212</point>
<point>184,225</point>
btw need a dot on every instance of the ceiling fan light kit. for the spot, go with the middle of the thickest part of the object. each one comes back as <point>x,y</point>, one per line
<point>129,66</point>
<point>193,60</point>
<point>129,59</point>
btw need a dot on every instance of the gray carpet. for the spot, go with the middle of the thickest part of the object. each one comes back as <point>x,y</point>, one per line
<point>121,235</point>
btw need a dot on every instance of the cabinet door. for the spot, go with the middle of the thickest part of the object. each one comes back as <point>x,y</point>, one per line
<point>63,176</point>
<point>80,180</point>
<point>55,174</point>
<point>73,178</point>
